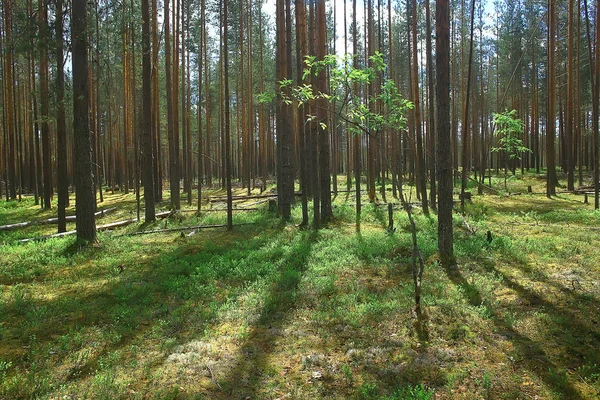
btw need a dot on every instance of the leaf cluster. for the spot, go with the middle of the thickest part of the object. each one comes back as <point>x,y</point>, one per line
<point>345,82</point>
<point>509,130</point>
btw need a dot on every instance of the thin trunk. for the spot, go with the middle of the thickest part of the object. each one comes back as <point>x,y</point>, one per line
<point>551,120</point>
<point>420,154</point>
<point>431,120</point>
<point>442,55</point>
<point>465,121</point>
<point>147,154</point>
<point>323,128</point>
<point>227,143</point>
<point>300,54</point>
<point>61,129</point>
<point>44,92</point>
<point>84,182</point>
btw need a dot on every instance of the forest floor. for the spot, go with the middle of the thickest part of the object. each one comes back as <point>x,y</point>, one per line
<point>272,311</point>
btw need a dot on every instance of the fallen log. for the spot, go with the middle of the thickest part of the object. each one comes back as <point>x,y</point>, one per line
<point>217,199</point>
<point>181,229</point>
<point>105,227</point>
<point>49,221</point>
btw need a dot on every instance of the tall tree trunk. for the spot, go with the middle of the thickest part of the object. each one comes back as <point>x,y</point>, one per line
<point>323,128</point>
<point>300,54</point>
<point>200,158</point>
<point>431,119</point>
<point>551,178</point>
<point>227,143</point>
<point>84,182</point>
<point>442,55</point>
<point>285,138</point>
<point>420,154</point>
<point>61,129</point>
<point>147,154</point>
<point>173,145</point>
<point>357,150</point>
<point>44,92</point>
<point>570,117</point>
<point>156,142</point>
<point>465,121</point>
<point>595,114</point>
<point>11,190</point>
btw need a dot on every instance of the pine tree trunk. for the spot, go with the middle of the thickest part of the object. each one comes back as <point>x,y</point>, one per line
<point>61,129</point>
<point>147,153</point>
<point>445,234</point>
<point>227,143</point>
<point>551,124</point>
<point>85,199</point>
<point>44,115</point>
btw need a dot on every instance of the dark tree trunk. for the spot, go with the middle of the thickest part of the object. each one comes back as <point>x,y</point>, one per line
<point>61,129</point>
<point>227,127</point>
<point>300,53</point>
<point>44,92</point>
<point>84,181</point>
<point>444,155</point>
<point>323,128</point>
<point>147,156</point>
<point>551,123</point>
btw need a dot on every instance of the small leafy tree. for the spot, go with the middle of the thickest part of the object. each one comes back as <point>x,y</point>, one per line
<point>509,130</point>
<point>351,107</point>
<point>358,113</point>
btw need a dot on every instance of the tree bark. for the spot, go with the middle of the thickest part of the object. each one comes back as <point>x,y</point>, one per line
<point>551,178</point>
<point>84,182</point>
<point>61,129</point>
<point>147,153</point>
<point>445,238</point>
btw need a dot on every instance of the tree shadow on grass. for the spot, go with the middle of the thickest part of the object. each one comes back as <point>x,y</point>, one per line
<point>244,379</point>
<point>86,324</point>
<point>532,353</point>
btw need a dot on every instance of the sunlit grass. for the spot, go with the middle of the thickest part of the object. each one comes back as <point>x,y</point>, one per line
<point>272,310</point>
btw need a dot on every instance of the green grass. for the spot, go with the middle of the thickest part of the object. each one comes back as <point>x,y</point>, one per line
<point>272,310</point>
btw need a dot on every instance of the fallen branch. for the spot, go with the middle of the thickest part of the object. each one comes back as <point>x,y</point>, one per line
<point>105,227</point>
<point>218,199</point>
<point>183,228</point>
<point>49,221</point>
<point>468,227</point>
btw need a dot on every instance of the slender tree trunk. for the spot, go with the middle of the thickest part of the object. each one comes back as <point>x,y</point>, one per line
<point>420,154</point>
<point>61,129</point>
<point>84,182</point>
<point>147,154</point>
<point>323,128</point>
<point>445,238</point>
<point>465,122</point>
<point>300,54</point>
<point>551,120</point>
<point>595,114</point>
<point>156,142</point>
<point>200,160</point>
<point>44,92</point>
<point>570,137</point>
<point>285,137</point>
<point>431,120</point>
<point>11,190</point>
<point>357,144</point>
<point>227,143</point>
<point>173,150</point>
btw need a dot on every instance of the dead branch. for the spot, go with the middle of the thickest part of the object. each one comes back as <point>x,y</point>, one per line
<point>49,221</point>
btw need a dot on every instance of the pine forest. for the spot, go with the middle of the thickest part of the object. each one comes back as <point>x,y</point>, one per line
<point>299,199</point>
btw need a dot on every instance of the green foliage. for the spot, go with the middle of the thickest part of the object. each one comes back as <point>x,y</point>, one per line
<point>344,80</point>
<point>509,130</point>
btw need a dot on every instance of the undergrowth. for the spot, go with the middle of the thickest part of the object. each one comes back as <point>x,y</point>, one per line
<point>271,310</point>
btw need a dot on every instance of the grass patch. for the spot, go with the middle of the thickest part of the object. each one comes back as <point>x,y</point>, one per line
<point>272,311</point>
